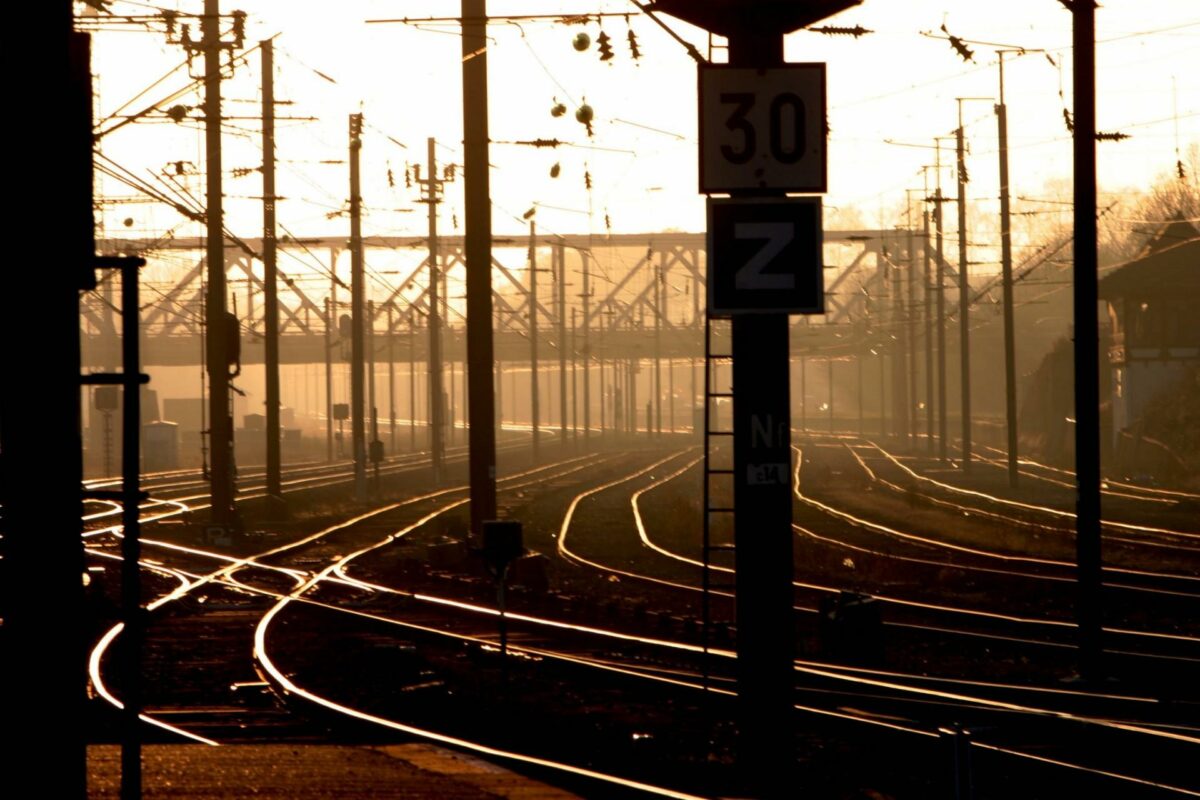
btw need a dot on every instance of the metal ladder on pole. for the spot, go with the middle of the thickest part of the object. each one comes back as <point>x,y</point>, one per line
<point>718,473</point>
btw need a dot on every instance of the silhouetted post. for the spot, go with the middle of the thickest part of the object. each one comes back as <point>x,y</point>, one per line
<point>560,276</point>
<point>329,378</point>
<point>391,354</point>
<point>477,209</point>
<point>1086,347</point>
<point>270,276</point>
<point>964,293</point>
<point>1010,353</point>
<point>437,445</point>
<point>658,312</point>
<point>574,369</point>
<point>928,273</point>
<point>373,453</point>
<point>587,354</point>
<point>217,328</point>
<point>899,347</point>
<point>412,380</point>
<point>910,328</point>
<point>357,314</point>
<point>940,288</point>
<point>131,576</point>
<point>533,338</point>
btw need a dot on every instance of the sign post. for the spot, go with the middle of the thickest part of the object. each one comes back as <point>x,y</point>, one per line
<point>762,135</point>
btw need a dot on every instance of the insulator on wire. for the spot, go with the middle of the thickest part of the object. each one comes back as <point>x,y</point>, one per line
<point>634,52</point>
<point>555,170</point>
<point>1070,123</point>
<point>587,179</point>
<point>959,45</point>
<point>558,109</point>
<point>1179,170</point>
<point>603,44</point>
<point>391,179</point>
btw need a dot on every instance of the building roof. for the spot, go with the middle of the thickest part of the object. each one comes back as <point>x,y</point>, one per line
<point>1169,263</point>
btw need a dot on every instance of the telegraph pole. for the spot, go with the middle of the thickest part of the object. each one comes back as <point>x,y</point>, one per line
<point>658,316</point>
<point>560,257</point>
<point>218,329</point>
<point>964,292</point>
<point>357,315</point>
<point>587,355</point>
<point>391,341</point>
<point>533,337</point>
<point>1010,358</point>
<point>329,312</point>
<point>1087,346</point>
<point>371,407</point>
<point>939,253</point>
<point>928,329</point>
<point>478,220</point>
<point>270,276</point>
<point>432,196</point>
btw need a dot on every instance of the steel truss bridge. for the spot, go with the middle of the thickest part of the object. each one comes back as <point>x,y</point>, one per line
<point>625,296</point>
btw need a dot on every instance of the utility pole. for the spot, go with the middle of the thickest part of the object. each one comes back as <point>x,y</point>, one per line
<point>329,312</point>
<point>658,315</point>
<point>1010,358</point>
<point>412,379</point>
<point>217,326</point>
<point>478,219</point>
<point>928,273</point>
<point>391,337</point>
<point>560,265</point>
<point>899,355</point>
<point>432,196</point>
<point>1086,347</point>
<point>357,315</point>
<point>574,386</point>
<point>964,289</point>
<point>587,354</point>
<point>533,337</point>
<point>939,253</point>
<point>270,277</point>
<point>910,317</point>
<point>374,411</point>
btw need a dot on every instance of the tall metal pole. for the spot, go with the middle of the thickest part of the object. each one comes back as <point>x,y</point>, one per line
<point>372,409</point>
<point>658,316</point>
<point>133,636</point>
<point>391,355</point>
<point>940,289</point>
<point>220,425</point>
<point>270,274</point>
<point>329,312</point>
<point>964,293</point>
<point>478,219</point>
<point>900,403</point>
<point>928,273</point>
<point>560,274</point>
<point>412,380</point>
<point>533,338</point>
<point>574,370</point>
<point>1086,347</point>
<point>910,333</point>
<point>587,354</point>
<point>1010,353</point>
<point>437,443</point>
<point>357,315</point>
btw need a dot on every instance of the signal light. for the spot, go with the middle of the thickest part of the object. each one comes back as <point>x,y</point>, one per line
<point>581,41</point>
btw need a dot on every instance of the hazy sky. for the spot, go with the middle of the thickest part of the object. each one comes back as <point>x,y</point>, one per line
<point>896,83</point>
